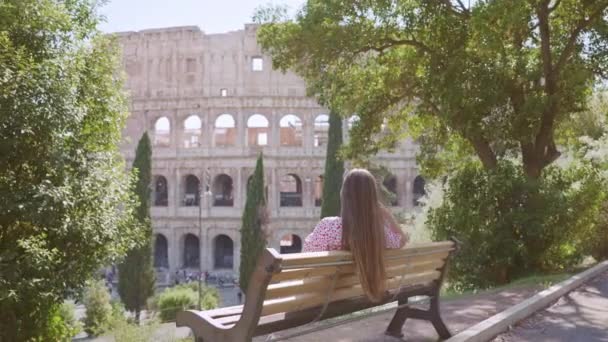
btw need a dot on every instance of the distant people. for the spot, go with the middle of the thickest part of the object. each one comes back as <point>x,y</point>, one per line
<point>365,228</point>
<point>206,277</point>
<point>239,296</point>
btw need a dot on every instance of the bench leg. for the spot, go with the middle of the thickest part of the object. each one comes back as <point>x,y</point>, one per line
<point>395,327</point>
<point>440,327</point>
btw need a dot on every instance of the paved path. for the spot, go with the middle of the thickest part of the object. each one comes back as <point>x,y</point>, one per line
<point>580,316</point>
<point>458,314</point>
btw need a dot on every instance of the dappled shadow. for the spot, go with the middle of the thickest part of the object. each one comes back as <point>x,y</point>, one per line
<point>582,315</point>
<point>458,315</point>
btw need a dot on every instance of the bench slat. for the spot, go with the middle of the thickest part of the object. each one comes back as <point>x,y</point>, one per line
<point>317,258</point>
<point>303,273</point>
<point>309,300</point>
<point>321,284</point>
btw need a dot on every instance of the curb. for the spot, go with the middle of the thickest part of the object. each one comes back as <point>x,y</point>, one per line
<point>499,323</point>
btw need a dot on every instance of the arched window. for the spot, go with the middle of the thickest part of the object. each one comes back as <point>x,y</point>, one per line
<point>222,191</point>
<point>390,183</point>
<point>291,191</point>
<point>191,251</point>
<point>321,130</point>
<point>162,132</point>
<point>191,191</point>
<point>291,243</point>
<point>319,191</point>
<point>161,192</point>
<point>192,131</point>
<point>223,252</point>
<point>161,251</point>
<point>290,130</point>
<point>224,131</point>
<point>419,190</point>
<point>257,130</point>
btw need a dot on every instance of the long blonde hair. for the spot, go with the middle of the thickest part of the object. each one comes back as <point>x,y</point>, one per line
<point>363,231</point>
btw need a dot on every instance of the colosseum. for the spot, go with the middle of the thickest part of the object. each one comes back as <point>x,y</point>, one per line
<point>211,103</point>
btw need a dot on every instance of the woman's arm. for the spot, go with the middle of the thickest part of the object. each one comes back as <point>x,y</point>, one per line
<point>394,227</point>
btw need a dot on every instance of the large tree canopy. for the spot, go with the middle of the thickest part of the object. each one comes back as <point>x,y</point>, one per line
<point>65,208</point>
<point>493,79</point>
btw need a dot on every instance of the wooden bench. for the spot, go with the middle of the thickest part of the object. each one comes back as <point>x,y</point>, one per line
<point>291,290</point>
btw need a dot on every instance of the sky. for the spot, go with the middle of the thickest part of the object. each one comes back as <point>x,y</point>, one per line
<point>212,16</point>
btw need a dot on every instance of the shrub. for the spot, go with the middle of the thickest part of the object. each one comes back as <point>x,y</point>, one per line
<point>182,297</point>
<point>512,226</point>
<point>98,308</point>
<point>62,324</point>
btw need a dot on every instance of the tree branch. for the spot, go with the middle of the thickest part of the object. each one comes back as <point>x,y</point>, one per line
<point>484,151</point>
<point>574,36</point>
<point>390,42</point>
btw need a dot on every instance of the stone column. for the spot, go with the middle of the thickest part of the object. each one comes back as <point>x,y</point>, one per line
<point>240,119</point>
<point>308,121</point>
<point>275,140</point>
<point>238,189</point>
<point>174,250</point>
<point>177,195</point>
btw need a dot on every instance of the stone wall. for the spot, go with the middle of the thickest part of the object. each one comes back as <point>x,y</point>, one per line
<point>180,82</point>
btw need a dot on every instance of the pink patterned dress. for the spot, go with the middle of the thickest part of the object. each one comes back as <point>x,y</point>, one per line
<point>327,236</point>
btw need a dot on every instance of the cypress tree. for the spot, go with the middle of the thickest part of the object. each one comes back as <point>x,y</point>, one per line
<point>136,276</point>
<point>334,169</point>
<point>253,240</point>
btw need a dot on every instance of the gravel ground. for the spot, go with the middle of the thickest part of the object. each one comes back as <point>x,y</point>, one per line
<point>580,316</point>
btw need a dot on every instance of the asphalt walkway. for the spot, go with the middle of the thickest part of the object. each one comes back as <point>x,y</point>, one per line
<point>458,315</point>
<point>580,316</point>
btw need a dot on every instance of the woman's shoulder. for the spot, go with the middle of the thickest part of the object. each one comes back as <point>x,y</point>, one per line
<point>330,222</point>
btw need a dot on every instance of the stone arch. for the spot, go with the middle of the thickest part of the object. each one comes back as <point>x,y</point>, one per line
<point>160,191</point>
<point>290,243</point>
<point>223,191</point>
<point>290,190</point>
<point>223,252</point>
<point>419,190</point>
<point>224,131</point>
<point>290,130</point>
<point>321,129</point>
<point>161,251</point>
<point>162,132</point>
<point>191,256</point>
<point>257,130</point>
<point>390,184</point>
<point>191,191</point>
<point>192,131</point>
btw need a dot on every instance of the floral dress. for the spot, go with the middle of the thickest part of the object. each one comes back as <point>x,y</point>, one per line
<point>327,236</point>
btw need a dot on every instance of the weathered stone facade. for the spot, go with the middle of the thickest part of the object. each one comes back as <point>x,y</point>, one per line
<point>182,84</point>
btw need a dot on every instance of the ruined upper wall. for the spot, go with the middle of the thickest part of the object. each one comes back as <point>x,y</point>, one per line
<point>184,62</point>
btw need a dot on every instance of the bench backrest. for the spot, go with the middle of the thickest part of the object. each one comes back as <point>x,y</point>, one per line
<point>308,280</point>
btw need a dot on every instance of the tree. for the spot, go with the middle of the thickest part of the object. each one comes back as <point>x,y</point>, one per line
<point>495,80</point>
<point>334,169</point>
<point>136,276</point>
<point>65,208</point>
<point>253,238</point>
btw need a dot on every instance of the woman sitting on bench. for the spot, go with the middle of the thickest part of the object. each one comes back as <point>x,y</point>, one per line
<point>365,228</point>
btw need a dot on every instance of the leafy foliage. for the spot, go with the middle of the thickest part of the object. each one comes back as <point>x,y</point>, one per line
<point>182,297</point>
<point>65,209</point>
<point>334,169</point>
<point>136,276</point>
<point>493,80</point>
<point>511,226</point>
<point>253,239</point>
<point>98,308</point>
